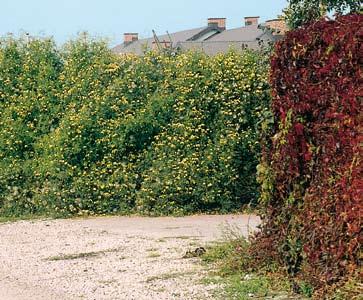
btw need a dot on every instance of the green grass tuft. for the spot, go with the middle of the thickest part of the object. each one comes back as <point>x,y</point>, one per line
<point>230,264</point>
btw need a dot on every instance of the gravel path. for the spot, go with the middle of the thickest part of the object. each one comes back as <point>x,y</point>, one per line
<point>109,258</point>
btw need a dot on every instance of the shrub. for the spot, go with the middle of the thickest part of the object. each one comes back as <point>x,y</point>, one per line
<point>311,171</point>
<point>28,110</point>
<point>301,12</point>
<point>84,131</point>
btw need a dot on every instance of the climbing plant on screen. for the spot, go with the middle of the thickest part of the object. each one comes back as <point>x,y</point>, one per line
<point>311,172</point>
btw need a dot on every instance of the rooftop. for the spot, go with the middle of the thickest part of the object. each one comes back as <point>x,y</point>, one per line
<point>212,39</point>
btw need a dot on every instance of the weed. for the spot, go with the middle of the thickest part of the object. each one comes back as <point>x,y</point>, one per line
<point>11,219</point>
<point>231,269</point>
<point>73,256</point>
<point>306,289</point>
<point>167,276</point>
<point>352,289</point>
<point>151,250</point>
<point>80,255</point>
<point>172,227</point>
<point>182,237</point>
<point>154,254</point>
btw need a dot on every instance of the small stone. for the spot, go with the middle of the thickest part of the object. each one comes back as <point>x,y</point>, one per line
<point>247,277</point>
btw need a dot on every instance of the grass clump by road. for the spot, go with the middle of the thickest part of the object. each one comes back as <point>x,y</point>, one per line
<point>81,255</point>
<point>28,217</point>
<point>231,268</point>
<point>73,256</point>
<point>169,276</point>
<point>154,254</point>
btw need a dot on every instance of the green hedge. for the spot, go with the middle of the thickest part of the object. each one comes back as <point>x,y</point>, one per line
<point>83,131</point>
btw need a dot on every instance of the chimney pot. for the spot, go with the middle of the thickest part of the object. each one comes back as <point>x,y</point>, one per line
<point>220,23</point>
<point>251,21</point>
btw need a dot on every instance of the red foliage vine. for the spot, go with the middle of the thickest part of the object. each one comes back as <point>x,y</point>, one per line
<point>313,221</point>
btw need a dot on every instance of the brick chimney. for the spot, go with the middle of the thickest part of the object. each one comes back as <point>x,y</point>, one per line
<point>130,37</point>
<point>251,21</point>
<point>278,26</point>
<point>220,23</point>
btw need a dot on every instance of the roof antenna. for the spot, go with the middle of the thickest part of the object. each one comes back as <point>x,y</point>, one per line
<point>170,39</point>
<point>156,39</point>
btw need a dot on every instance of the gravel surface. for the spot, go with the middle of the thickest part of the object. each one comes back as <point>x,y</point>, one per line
<point>110,258</point>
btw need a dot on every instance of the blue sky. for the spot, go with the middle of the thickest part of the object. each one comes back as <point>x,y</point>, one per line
<point>63,19</point>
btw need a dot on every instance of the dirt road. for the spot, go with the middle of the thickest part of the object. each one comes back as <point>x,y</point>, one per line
<point>109,258</point>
